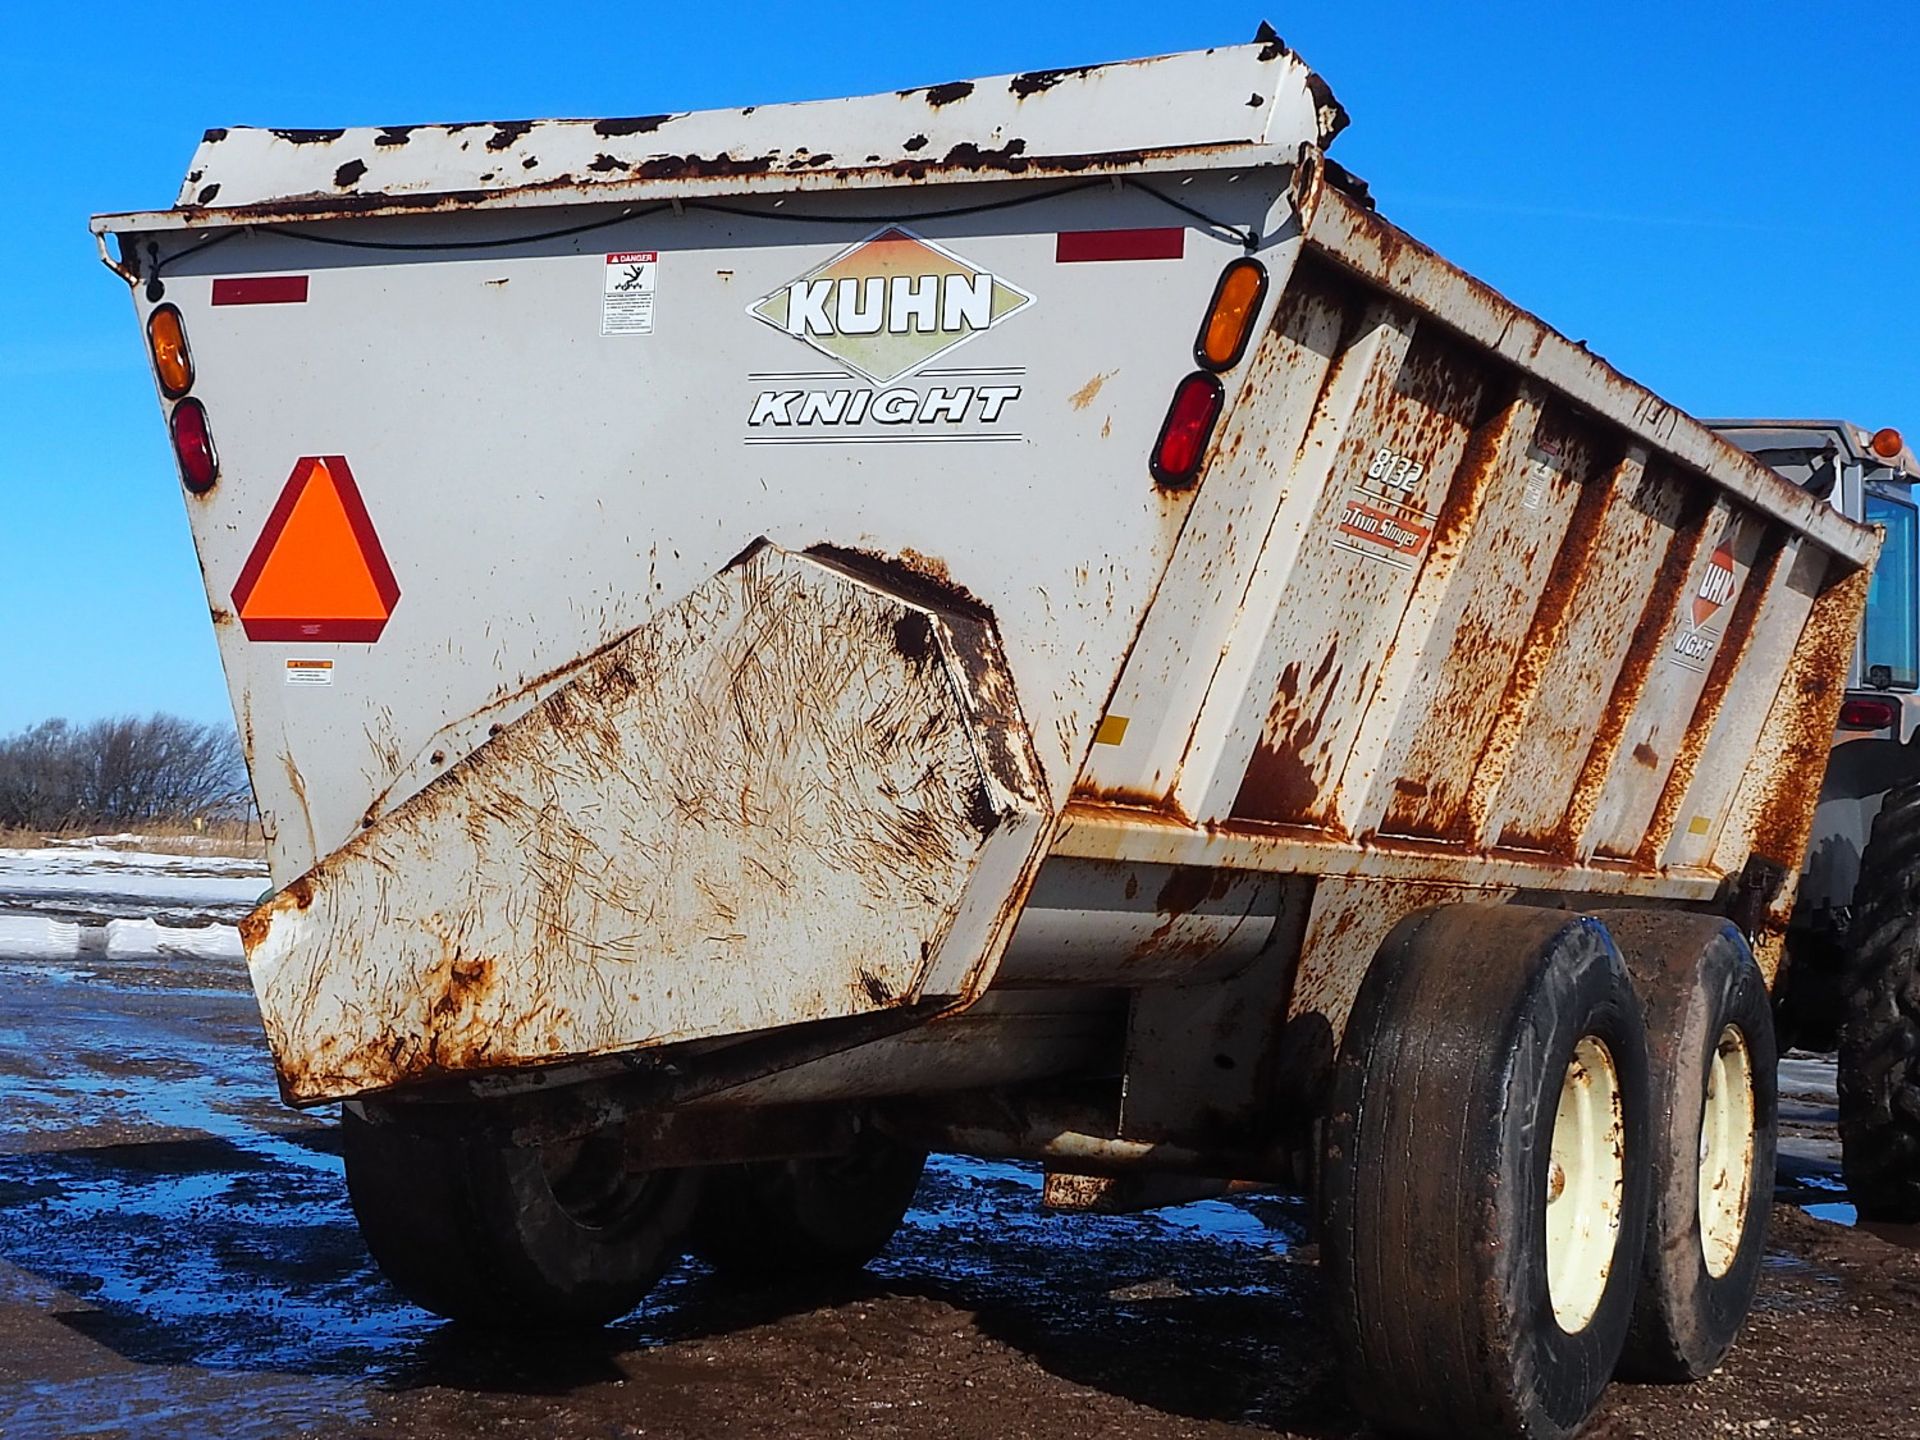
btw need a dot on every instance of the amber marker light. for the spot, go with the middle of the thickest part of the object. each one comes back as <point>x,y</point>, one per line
<point>1229,324</point>
<point>172,361</point>
<point>1887,443</point>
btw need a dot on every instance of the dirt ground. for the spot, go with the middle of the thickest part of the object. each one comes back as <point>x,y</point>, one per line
<point>177,1259</point>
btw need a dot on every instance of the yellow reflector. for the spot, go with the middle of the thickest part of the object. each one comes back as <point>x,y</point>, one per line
<point>1112,731</point>
<point>1236,301</point>
<point>167,338</point>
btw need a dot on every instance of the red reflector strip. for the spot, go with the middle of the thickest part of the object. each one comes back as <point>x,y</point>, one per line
<point>261,290</point>
<point>1167,244</point>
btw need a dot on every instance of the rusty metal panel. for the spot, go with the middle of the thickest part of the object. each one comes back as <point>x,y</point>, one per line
<point>1712,759</point>
<point>770,806</point>
<point>1377,520</point>
<point>1610,565</point>
<point>1188,669</point>
<point>1464,679</point>
<point>1773,804</point>
<point>1703,640</point>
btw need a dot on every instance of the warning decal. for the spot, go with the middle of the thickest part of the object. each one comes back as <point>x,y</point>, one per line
<point>626,302</point>
<point>1693,645</point>
<point>317,572</point>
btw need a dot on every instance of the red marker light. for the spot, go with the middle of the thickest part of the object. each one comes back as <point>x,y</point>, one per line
<point>1184,434</point>
<point>193,446</point>
<point>1869,714</point>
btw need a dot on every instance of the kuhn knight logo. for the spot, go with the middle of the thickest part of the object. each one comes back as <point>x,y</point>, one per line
<point>890,304</point>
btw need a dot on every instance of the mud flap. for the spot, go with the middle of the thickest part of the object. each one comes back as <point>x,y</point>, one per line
<point>798,795</point>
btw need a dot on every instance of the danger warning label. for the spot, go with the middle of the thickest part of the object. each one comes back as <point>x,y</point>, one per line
<point>626,301</point>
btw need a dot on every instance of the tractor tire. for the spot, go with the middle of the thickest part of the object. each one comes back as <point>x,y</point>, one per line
<point>1880,1042</point>
<point>564,1237</point>
<point>778,1220</point>
<point>1710,1045</point>
<point>1485,1174</point>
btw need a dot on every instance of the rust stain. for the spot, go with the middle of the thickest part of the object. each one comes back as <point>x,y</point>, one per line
<point>1085,395</point>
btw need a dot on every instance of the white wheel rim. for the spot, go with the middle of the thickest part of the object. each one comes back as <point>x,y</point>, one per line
<point>1726,1152</point>
<point>1586,1180</point>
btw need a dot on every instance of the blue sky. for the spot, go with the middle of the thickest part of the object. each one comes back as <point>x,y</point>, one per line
<point>1727,212</point>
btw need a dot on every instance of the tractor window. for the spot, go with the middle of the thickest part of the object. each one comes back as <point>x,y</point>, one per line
<point>1893,623</point>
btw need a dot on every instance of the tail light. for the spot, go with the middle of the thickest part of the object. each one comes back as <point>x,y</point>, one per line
<point>172,361</point>
<point>1872,714</point>
<point>1184,433</point>
<point>1229,323</point>
<point>193,446</point>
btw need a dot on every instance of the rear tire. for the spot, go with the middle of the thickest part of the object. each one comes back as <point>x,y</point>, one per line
<point>519,1238</point>
<point>1880,1043</point>
<point>1710,1045</point>
<point>820,1215</point>
<point>1493,1071</point>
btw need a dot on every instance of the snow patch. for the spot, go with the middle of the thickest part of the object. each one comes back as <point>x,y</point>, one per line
<point>38,938</point>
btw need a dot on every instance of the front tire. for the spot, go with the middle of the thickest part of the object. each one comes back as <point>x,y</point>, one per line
<point>1485,1177</point>
<point>1880,1043</point>
<point>568,1236</point>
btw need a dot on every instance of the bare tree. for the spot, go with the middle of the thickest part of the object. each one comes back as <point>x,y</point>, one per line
<point>123,771</point>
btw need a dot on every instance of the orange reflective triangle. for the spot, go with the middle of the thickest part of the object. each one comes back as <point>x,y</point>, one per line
<point>317,571</point>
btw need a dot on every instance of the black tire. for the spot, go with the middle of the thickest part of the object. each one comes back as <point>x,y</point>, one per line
<point>1880,1042</point>
<point>1697,980</point>
<point>1434,1198</point>
<point>515,1238</point>
<point>773,1220</point>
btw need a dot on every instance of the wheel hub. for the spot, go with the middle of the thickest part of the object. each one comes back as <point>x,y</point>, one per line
<point>1726,1152</point>
<point>1586,1183</point>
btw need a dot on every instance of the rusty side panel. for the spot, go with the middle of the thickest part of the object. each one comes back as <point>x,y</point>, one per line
<point>1607,567</point>
<point>1734,658</point>
<point>1233,536</point>
<point>1602,745</point>
<point>1772,810</point>
<point>767,807</point>
<point>1348,589</point>
<point>1712,764</point>
<point>1494,610</point>
<point>1679,677</point>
